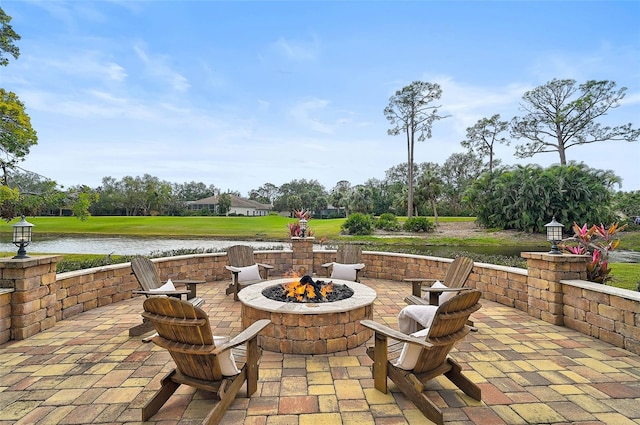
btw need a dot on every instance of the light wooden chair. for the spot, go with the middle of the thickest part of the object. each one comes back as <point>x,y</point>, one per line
<point>147,275</point>
<point>429,349</point>
<point>348,263</point>
<point>184,330</point>
<point>244,269</point>
<point>455,278</point>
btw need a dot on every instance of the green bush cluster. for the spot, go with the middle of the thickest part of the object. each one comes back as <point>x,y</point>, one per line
<point>388,222</point>
<point>526,197</point>
<point>358,224</point>
<point>418,224</point>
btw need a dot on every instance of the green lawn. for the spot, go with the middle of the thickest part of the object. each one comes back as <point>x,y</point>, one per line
<point>275,228</point>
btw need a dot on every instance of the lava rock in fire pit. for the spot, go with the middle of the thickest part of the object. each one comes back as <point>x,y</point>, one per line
<point>306,290</point>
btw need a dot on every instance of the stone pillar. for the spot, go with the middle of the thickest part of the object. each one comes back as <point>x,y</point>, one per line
<point>33,300</point>
<point>545,271</point>
<point>302,255</point>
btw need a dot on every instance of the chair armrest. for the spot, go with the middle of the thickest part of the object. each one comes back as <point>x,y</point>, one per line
<point>359,266</point>
<point>434,293</point>
<point>327,265</point>
<point>170,293</point>
<point>233,269</point>
<point>266,266</point>
<point>244,336</point>
<point>414,300</point>
<point>188,282</point>
<point>445,289</point>
<point>419,279</point>
<point>394,334</point>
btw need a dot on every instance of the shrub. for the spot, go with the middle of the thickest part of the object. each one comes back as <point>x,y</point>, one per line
<point>418,224</point>
<point>387,221</point>
<point>358,224</point>
<point>596,241</point>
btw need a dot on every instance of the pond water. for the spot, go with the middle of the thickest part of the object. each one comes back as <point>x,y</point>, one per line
<point>127,245</point>
<point>145,246</point>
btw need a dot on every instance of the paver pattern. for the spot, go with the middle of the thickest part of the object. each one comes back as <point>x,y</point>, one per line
<point>87,370</point>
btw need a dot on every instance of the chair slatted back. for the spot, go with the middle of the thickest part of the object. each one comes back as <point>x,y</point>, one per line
<point>240,256</point>
<point>146,273</point>
<point>349,254</point>
<point>458,272</point>
<point>184,330</point>
<point>447,328</point>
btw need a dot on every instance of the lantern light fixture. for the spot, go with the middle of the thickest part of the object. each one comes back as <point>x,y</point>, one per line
<point>303,226</point>
<point>554,235</point>
<point>22,231</point>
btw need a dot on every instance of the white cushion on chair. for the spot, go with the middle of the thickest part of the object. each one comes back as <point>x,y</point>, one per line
<point>167,287</point>
<point>249,273</point>
<point>410,352</point>
<point>226,360</point>
<point>444,296</point>
<point>344,271</point>
<point>411,315</point>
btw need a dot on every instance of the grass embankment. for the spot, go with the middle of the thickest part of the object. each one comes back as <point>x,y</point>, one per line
<point>274,228</point>
<point>239,228</point>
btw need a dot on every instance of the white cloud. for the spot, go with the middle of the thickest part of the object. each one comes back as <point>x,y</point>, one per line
<point>157,66</point>
<point>296,50</point>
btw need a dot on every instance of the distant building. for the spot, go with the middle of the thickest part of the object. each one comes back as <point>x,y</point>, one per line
<point>239,206</point>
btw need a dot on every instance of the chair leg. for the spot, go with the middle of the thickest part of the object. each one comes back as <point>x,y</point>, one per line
<point>467,386</point>
<point>227,394</point>
<point>378,353</point>
<point>412,388</point>
<point>234,288</point>
<point>160,398</point>
<point>253,355</point>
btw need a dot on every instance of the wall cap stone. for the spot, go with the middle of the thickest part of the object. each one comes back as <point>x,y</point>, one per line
<point>598,287</point>
<point>565,258</point>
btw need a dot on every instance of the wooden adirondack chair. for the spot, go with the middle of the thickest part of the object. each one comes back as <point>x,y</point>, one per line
<point>147,275</point>
<point>431,355</point>
<point>184,330</point>
<point>244,269</point>
<point>455,278</point>
<point>347,265</point>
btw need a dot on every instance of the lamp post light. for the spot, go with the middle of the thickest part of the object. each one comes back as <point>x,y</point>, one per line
<point>22,237</point>
<point>303,226</point>
<point>554,235</point>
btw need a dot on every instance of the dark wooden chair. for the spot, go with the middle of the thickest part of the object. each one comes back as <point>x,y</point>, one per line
<point>347,265</point>
<point>184,330</point>
<point>244,269</point>
<point>430,349</point>
<point>147,275</point>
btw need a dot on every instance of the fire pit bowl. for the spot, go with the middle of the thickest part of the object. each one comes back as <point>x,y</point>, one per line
<point>306,290</point>
<point>311,327</point>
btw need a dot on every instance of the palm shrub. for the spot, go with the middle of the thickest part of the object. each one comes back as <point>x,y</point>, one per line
<point>387,221</point>
<point>526,197</point>
<point>358,224</point>
<point>418,224</point>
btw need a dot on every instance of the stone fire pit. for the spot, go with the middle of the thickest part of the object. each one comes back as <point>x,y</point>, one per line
<point>309,328</point>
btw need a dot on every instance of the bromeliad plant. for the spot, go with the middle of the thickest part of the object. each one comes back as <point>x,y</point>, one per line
<point>596,241</point>
<point>294,228</point>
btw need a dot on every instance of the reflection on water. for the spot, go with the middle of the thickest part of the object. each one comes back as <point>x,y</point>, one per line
<point>145,246</point>
<point>127,246</point>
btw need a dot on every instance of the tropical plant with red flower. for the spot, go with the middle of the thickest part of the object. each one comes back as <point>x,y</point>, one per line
<point>596,241</point>
<point>294,228</point>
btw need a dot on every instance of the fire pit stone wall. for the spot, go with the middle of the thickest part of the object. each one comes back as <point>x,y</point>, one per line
<point>309,328</point>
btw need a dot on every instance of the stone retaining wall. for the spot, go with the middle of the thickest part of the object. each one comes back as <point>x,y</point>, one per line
<point>551,290</point>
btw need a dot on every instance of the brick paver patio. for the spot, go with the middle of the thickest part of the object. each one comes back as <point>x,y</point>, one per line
<point>87,370</point>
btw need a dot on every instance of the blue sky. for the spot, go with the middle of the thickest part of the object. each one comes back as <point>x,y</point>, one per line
<point>238,94</point>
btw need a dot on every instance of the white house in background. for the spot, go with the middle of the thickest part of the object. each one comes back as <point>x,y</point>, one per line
<point>239,206</point>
